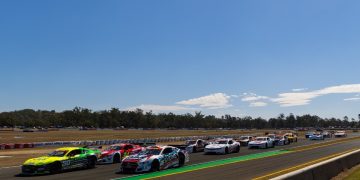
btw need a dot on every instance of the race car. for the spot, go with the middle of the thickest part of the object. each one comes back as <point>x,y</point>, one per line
<point>281,140</point>
<point>291,136</point>
<point>261,142</point>
<point>244,140</point>
<point>223,146</point>
<point>154,158</point>
<point>193,146</point>
<point>340,134</point>
<point>308,134</point>
<point>326,134</point>
<point>317,136</point>
<point>61,159</point>
<point>115,153</point>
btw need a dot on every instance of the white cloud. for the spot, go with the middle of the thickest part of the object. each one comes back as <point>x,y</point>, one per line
<point>212,101</point>
<point>258,104</point>
<point>352,99</point>
<point>304,98</point>
<point>252,97</point>
<point>159,108</point>
<point>299,89</point>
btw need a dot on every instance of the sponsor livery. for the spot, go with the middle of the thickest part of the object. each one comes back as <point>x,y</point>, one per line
<point>61,159</point>
<point>154,158</point>
<point>115,153</point>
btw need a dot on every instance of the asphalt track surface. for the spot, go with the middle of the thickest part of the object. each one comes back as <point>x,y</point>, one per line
<point>242,170</point>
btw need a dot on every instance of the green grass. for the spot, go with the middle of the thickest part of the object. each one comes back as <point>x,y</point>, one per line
<point>355,175</point>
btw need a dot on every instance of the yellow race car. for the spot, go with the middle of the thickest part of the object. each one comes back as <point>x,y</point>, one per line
<point>61,159</point>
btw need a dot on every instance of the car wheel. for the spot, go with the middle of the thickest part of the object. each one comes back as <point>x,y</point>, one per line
<point>181,159</point>
<point>116,158</point>
<point>55,168</point>
<point>91,161</point>
<point>155,166</point>
<point>266,146</point>
<point>226,150</point>
<point>237,149</point>
<point>194,149</point>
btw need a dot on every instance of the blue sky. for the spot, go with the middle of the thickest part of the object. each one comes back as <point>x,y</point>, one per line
<point>218,57</point>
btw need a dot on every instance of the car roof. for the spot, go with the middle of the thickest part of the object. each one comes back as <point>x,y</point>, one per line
<point>67,148</point>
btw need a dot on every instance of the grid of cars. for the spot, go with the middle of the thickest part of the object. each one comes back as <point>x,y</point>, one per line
<point>139,158</point>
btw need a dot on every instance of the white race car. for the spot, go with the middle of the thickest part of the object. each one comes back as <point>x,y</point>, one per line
<point>261,142</point>
<point>340,134</point>
<point>223,146</point>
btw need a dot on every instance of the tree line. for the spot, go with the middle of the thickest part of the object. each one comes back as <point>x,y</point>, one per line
<point>113,118</point>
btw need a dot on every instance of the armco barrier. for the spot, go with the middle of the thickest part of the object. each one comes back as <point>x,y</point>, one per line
<point>324,170</point>
<point>28,145</point>
<point>9,146</point>
<point>2,146</point>
<point>19,145</point>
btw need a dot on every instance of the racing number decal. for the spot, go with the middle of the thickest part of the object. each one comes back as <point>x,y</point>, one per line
<point>66,163</point>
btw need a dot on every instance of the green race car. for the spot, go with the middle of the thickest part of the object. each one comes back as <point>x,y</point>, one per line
<point>61,159</point>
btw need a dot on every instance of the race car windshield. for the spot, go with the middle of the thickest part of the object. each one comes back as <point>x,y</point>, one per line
<point>152,152</point>
<point>244,138</point>
<point>114,148</point>
<point>58,153</point>
<point>261,139</point>
<point>221,142</point>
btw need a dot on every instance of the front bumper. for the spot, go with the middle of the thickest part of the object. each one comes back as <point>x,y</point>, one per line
<point>256,146</point>
<point>214,151</point>
<point>134,167</point>
<point>34,170</point>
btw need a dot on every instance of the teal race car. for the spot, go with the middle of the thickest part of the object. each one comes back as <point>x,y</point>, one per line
<point>61,159</point>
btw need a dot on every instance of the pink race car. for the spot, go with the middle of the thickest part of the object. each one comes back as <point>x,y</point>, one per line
<point>115,153</point>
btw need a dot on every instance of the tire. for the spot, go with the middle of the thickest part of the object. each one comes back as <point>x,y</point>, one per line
<point>194,149</point>
<point>181,159</point>
<point>155,166</point>
<point>55,168</point>
<point>237,149</point>
<point>91,162</point>
<point>116,158</point>
<point>226,150</point>
<point>266,146</point>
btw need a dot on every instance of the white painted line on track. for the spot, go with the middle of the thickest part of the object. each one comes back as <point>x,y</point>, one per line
<point>5,156</point>
<point>9,167</point>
